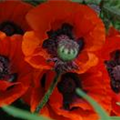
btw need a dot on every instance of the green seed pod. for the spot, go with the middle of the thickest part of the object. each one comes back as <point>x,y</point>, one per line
<point>67,54</point>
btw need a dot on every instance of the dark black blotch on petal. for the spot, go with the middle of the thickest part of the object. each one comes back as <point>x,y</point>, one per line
<point>43,80</point>
<point>67,86</point>
<point>113,68</point>
<point>81,43</point>
<point>11,28</point>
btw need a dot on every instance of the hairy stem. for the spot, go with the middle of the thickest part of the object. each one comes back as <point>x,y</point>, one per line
<point>101,7</point>
<point>47,94</point>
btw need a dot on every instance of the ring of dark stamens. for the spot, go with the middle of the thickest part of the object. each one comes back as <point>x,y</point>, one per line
<point>113,68</point>
<point>11,28</point>
<point>51,43</point>
<point>67,86</point>
<point>5,70</point>
<point>55,38</point>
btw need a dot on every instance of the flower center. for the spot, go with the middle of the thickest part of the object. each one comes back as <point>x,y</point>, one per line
<point>67,86</point>
<point>67,49</point>
<point>10,28</point>
<point>113,67</point>
<point>63,47</point>
<point>5,70</point>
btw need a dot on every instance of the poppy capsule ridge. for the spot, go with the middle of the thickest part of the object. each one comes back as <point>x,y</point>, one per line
<point>67,50</point>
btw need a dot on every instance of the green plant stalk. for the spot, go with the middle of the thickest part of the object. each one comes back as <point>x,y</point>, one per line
<point>101,112</point>
<point>84,2</point>
<point>23,114</point>
<point>112,12</point>
<point>101,8</point>
<point>47,94</point>
<point>115,118</point>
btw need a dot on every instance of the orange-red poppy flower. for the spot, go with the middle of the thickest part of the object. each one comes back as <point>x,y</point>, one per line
<point>15,73</point>
<point>109,56</point>
<point>64,37</point>
<point>64,103</point>
<point>12,17</point>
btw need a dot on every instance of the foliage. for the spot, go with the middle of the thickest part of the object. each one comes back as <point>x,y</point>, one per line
<point>23,114</point>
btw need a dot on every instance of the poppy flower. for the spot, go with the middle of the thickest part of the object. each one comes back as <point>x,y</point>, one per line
<point>109,56</point>
<point>64,103</point>
<point>64,36</point>
<point>15,73</point>
<point>12,17</point>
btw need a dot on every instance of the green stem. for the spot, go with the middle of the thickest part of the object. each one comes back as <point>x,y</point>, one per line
<point>101,4</point>
<point>101,7</point>
<point>47,94</point>
<point>101,112</point>
<point>84,2</point>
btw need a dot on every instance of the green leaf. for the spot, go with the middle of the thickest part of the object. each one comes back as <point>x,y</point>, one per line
<point>22,114</point>
<point>96,2</point>
<point>111,13</point>
<point>115,13</point>
<point>115,118</point>
<point>34,2</point>
<point>103,115</point>
<point>79,1</point>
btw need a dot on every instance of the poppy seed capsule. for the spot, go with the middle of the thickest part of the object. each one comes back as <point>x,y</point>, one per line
<point>67,50</point>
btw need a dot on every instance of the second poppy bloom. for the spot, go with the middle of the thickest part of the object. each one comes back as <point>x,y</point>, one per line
<point>15,73</point>
<point>109,56</point>
<point>12,17</point>
<point>64,103</point>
